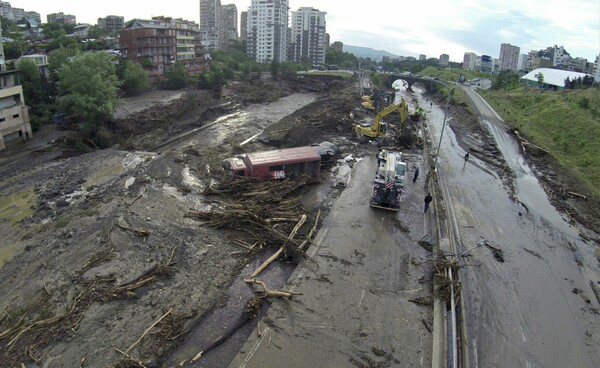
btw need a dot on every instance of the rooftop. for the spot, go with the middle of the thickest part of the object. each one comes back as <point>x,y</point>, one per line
<point>555,77</point>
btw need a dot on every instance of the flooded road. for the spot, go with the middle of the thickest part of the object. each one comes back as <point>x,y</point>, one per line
<point>536,309</point>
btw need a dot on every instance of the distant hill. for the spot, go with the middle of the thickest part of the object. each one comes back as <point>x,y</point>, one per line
<point>367,52</point>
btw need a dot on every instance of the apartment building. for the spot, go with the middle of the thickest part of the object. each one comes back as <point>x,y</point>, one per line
<point>153,40</point>
<point>308,32</point>
<point>243,25</point>
<point>267,30</point>
<point>470,60</point>
<point>40,60</point>
<point>163,41</point>
<point>444,60</point>
<point>61,18</point>
<point>228,26</point>
<point>14,116</point>
<point>112,23</point>
<point>210,17</point>
<point>509,57</point>
<point>16,14</point>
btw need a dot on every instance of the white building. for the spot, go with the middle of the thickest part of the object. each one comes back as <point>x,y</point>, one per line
<point>470,60</point>
<point>267,30</point>
<point>308,35</point>
<point>509,57</point>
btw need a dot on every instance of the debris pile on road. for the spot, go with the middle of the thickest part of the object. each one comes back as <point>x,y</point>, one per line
<point>264,210</point>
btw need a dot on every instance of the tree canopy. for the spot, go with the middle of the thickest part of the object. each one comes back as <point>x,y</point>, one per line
<point>88,87</point>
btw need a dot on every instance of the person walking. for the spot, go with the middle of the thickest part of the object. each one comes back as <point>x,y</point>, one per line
<point>416,174</point>
<point>466,157</point>
<point>428,199</point>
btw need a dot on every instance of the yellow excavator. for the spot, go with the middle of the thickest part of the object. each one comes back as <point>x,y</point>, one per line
<point>367,103</point>
<point>378,129</point>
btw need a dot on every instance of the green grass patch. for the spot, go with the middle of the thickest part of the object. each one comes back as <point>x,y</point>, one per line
<point>16,207</point>
<point>566,123</point>
<point>451,74</point>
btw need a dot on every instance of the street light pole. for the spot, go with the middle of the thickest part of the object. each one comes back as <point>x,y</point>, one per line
<point>530,108</point>
<point>437,153</point>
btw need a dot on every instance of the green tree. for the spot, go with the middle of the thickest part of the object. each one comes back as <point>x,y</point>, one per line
<point>31,82</point>
<point>57,58</point>
<point>176,77</point>
<point>88,88</point>
<point>135,78</point>
<point>341,59</point>
<point>97,32</point>
<point>540,79</point>
<point>506,79</point>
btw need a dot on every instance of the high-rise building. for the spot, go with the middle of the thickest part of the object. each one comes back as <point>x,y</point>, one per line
<point>422,57</point>
<point>267,30</point>
<point>112,23</point>
<point>210,14</point>
<point>243,25</point>
<point>509,57</point>
<point>308,35</point>
<point>227,28</point>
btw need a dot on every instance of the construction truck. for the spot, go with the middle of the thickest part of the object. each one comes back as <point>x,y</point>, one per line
<point>389,180</point>
<point>378,129</point>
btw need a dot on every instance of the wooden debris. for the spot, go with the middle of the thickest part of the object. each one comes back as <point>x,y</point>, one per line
<point>281,249</point>
<point>146,332</point>
<point>141,232</point>
<point>268,293</point>
<point>579,195</point>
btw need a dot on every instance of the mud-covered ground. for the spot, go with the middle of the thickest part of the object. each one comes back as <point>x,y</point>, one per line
<point>568,195</point>
<point>97,247</point>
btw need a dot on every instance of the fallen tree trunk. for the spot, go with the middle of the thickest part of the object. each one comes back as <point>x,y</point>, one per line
<point>276,255</point>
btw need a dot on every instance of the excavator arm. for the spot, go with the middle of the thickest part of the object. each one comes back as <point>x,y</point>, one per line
<point>377,129</point>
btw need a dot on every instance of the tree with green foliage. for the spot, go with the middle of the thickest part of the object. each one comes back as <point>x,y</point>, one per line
<point>14,48</point>
<point>59,57</point>
<point>88,87</point>
<point>540,79</point>
<point>135,78</point>
<point>31,80</point>
<point>341,59</point>
<point>506,79</point>
<point>176,77</point>
<point>97,32</point>
<point>275,69</point>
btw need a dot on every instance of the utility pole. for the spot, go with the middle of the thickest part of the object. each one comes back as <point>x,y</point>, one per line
<point>437,153</point>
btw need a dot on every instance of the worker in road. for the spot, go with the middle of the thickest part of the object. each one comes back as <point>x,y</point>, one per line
<point>466,157</point>
<point>428,199</point>
<point>416,175</point>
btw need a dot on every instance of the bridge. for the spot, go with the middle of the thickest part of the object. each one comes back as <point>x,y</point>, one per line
<point>429,84</point>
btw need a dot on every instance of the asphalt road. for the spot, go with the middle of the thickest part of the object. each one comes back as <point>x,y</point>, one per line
<point>537,308</point>
<point>356,285</point>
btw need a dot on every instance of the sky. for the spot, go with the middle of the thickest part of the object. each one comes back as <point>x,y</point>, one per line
<point>406,28</point>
